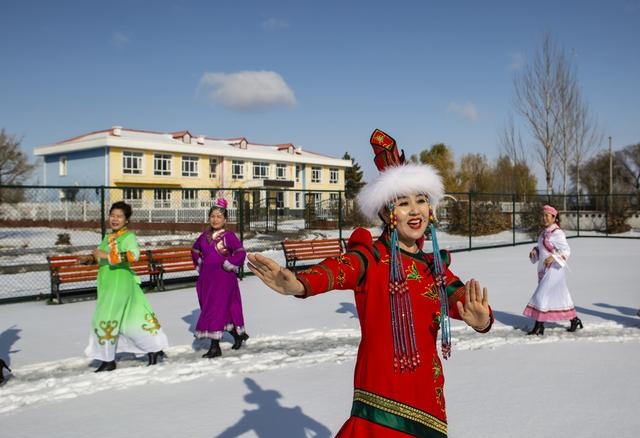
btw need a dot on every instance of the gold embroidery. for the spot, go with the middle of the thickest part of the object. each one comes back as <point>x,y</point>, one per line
<point>154,324</point>
<point>413,273</point>
<point>345,261</point>
<point>440,397</point>
<point>437,368</point>
<point>431,292</point>
<point>108,327</point>
<point>401,409</point>
<point>341,277</point>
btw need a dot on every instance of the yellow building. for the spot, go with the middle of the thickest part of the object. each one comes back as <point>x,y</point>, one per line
<point>179,170</point>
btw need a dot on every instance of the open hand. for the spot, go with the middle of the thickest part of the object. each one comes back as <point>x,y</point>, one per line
<point>475,309</point>
<point>278,278</point>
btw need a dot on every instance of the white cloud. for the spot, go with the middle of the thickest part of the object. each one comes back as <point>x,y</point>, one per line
<point>248,90</point>
<point>273,24</point>
<point>466,110</point>
<point>517,61</point>
<point>119,39</point>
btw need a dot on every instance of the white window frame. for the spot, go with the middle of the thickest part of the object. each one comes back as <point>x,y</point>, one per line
<point>190,165</point>
<point>237,169</point>
<point>162,164</point>
<point>298,200</point>
<point>334,175</point>
<point>62,165</point>
<point>213,168</point>
<point>132,163</point>
<point>316,174</point>
<point>260,170</point>
<point>189,198</point>
<point>281,171</point>
<point>162,198</point>
<point>133,196</point>
<point>298,172</point>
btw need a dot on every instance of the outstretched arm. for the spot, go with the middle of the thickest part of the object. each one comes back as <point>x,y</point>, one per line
<point>475,310</point>
<point>277,277</point>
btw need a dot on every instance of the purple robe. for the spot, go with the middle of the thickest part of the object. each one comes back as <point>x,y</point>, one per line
<point>217,256</point>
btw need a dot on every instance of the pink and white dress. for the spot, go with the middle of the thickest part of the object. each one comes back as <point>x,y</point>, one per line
<point>551,300</point>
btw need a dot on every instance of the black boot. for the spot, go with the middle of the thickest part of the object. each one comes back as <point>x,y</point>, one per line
<point>106,366</point>
<point>238,339</point>
<point>575,323</point>
<point>214,349</point>
<point>153,357</point>
<point>538,329</point>
<point>3,365</point>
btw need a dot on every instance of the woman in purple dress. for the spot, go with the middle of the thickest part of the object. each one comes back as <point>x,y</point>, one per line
<point>217,255</point>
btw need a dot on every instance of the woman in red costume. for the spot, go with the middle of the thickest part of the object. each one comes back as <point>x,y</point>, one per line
<point>403,295</point>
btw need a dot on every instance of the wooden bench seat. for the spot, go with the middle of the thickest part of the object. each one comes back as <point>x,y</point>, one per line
<point>316,249</point>
<point>66,268</point>
<point>169,260</point>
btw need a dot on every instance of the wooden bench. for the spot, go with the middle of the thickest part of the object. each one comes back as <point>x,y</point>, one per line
<point>65,269</point>
<point>169,260</point>
<point>296,250</point>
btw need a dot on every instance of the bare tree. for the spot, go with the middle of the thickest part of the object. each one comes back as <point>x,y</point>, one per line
<point>536,100</point>
<point>548,97</point>
<point>14,164</point>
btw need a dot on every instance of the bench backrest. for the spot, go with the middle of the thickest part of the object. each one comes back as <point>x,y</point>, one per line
<point>168,259</point>
<point>311,249</point>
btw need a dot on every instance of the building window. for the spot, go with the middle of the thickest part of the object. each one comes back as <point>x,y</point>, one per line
<point>63,166</point>
<point>189,166</point>
<point>132,163</point>
<point>280,200</point>
<point>162,198</point>
<point>315,174</point>
<point>237,169</point>
<point>213,168</point>
<point>298,172</point>
<point>132,197</point>
<point>162,164</point>
<point>189,198</point>
<point>281,171</point>
<point>334,200</point>
<point>334,174</point>
<point>298,200</point>
<point>260,170</point>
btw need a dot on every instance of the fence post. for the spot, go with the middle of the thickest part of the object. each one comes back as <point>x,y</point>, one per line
<point>513,217</point>
<point>103,216</point>
<point>469,218</point>
<point>340,215</point>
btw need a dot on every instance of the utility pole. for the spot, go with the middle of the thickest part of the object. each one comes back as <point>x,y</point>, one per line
<point>610,169</point>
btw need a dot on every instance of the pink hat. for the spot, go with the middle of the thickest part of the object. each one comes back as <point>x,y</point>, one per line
<point>549,209</point>
<point>221,203</point>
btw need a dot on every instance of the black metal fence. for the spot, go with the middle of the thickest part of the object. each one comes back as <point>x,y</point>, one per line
<point>37,221</point>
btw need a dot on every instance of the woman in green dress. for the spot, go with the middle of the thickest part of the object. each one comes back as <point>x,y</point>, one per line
<point>123,320</point>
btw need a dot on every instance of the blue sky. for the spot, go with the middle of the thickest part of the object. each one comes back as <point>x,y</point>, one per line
<point>319,74</point>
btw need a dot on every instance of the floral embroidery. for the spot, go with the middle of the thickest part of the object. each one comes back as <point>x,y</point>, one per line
<point>440,397</point>
<point>437,368</point>
<point>431,292</point>
<point>108,327</point>
<point>345,261</point>
<point>341,277</point>
<point>413,273</point>
<point>154,324</point>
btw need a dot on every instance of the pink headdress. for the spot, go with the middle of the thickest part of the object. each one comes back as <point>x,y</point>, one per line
<point>221,203</point>
<point>549,209</point>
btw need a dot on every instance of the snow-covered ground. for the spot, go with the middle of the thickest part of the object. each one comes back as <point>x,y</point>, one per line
<point>293,378</point>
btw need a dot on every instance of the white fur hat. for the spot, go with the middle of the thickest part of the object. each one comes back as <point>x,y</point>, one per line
<point>397,178</point>
<point>396,181</point>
